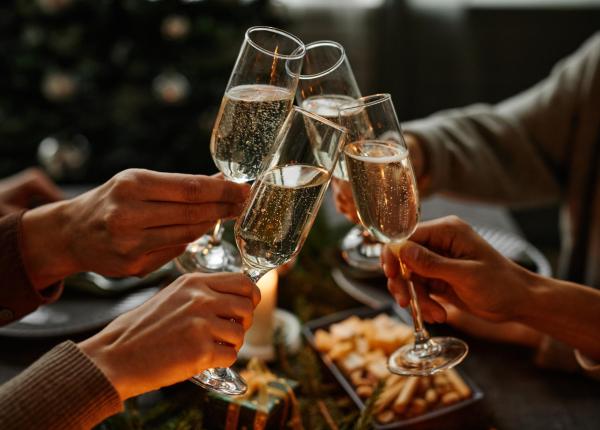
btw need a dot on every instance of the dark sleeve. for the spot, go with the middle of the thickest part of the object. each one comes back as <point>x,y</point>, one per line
<point>63,390</point>
<point>18,297</point>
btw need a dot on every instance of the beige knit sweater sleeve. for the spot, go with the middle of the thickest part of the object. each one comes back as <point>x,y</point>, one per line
<point>62,390</point>
<point>520,149</point>
<point>521,152</point>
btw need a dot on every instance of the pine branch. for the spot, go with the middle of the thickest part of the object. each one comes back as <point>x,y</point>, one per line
<point>365,422</point>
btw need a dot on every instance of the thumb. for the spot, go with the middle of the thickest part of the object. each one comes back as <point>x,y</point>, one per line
<point>428,264</point>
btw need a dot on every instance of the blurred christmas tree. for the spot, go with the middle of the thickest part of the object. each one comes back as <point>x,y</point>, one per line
<point>141,80</point>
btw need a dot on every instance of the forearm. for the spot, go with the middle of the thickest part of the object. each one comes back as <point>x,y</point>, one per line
<point>516,149</point>
<point>45,245</point>
<point>479,142</point>
<point>565,311</point>
<point>62,390</point>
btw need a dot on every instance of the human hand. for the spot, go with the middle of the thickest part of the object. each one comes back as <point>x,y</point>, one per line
<point>184,329</point>
<point>450,262</point>
<point>21,190</point>
<point>504,332</point>
<point>131,225</point>
<point>342,191</point>
<point>344,200</point>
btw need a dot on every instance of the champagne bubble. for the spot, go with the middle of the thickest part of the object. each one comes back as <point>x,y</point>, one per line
<point>282,206</point>
<point>247,124</point>
<point>384,188</point>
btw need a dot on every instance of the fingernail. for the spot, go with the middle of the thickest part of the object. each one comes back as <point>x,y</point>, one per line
<point>385,269</point>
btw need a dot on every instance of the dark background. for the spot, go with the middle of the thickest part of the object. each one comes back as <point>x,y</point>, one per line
<point>95,68</point>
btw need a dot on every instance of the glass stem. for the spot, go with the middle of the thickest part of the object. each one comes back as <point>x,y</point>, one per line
<point>221,372</point>
<point>253,273</point>
<point>421,334</point>
<point>217,234</point>
<point>369,246</point>
<point>366,234</point>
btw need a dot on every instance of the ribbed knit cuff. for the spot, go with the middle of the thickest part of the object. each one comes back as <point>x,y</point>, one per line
<point>18,297</point>
<point>62,390</point>
<point>50,293</point>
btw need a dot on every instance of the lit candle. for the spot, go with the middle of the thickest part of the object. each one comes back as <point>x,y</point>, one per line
<point>261,332</point>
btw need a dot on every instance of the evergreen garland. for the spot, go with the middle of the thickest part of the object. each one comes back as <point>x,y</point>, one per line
<point>311,293</point>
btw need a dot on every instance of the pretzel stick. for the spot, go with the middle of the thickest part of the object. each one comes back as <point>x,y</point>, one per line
<point>459,384</point>
<point>404,397</point>
<point>390,392</point>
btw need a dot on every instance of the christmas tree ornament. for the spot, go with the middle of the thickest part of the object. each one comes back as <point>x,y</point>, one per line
<point>175,27</point>
<point>59,86</point>
<point>54,6</point>
<point>92,64</point>
<point>64,156</point>
<point>171,87</point>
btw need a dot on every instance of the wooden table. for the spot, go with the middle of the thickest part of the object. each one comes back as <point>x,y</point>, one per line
<point>518,395</point>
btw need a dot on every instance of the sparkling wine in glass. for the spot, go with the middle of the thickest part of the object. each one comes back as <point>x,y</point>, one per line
<point>387,202</point>
<point>285,199</point>
<point>247,123</point>
<point>283,204</point>
<point>257,99</point>
<point>326,86</point>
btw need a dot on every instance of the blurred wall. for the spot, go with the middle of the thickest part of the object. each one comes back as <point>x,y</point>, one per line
<point>437,54</point>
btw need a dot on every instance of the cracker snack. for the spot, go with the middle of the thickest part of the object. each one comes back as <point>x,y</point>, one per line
<point>361,347</point>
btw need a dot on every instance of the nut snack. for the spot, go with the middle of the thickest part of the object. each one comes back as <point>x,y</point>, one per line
<point>361,347</point>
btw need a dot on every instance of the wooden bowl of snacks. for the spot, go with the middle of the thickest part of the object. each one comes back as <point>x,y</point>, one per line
<point>355,346</point>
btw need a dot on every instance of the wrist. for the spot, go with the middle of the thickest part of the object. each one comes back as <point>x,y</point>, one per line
<point>533,292</point>
<point>45,245</point>
<point>99,352</point>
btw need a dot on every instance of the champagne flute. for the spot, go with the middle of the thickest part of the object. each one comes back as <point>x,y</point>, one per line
<point>387,201</point>
<point>257,99</point>
<point>283,204</point>
<point>327,85</point>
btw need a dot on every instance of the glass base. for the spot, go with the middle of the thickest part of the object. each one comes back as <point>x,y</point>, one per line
<point>435,355</point>
<point>221,380</point>
<point>203,256</point>
<point>361,254</point>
